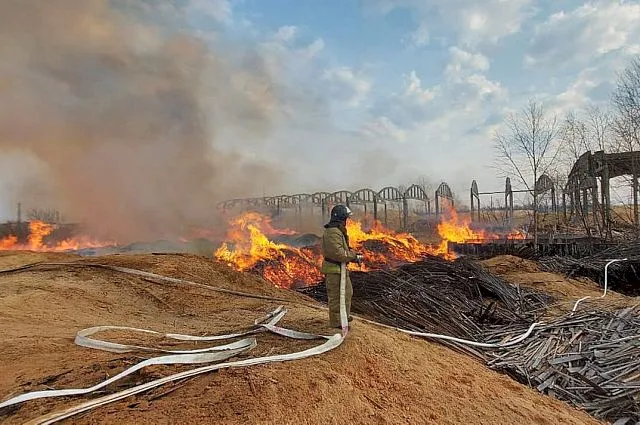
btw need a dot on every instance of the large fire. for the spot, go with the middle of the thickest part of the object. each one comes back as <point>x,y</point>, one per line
<point>38,231</point>
<point>248,247</point>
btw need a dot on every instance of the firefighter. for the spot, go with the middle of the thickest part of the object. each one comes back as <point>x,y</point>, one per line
<point>335,249</point>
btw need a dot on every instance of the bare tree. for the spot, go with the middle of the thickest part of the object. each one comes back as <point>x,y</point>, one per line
<point>599,124</point>
<point>426,185</point>
<point>590,132</point>
<point>45,215</point>
<point>528,149</point>
<point>626,101</point>
<point>429,188</point>
<point>573,134</point>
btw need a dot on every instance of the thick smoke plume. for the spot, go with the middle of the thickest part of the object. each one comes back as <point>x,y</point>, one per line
<point>119,107</point>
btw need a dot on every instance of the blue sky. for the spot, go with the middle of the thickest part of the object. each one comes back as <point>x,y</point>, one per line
<point>370,93</point>
<point>418,87</point>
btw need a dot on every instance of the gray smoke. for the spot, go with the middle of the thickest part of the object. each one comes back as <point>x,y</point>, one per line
<point>120,109</point>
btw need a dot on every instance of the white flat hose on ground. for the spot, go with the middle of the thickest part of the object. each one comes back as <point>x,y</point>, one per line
<point>162,360</point>
<point>82,337</point>
<point>606,283</point>
<point>220,353</point>
<point>185,357</point>
<point>224,352</point>
<point>510,342</point>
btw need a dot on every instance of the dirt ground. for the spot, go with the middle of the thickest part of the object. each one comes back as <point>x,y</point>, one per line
<point>377,376</point>
<point>566,291</point>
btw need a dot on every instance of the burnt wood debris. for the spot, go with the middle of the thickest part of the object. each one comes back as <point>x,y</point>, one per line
<point>590,358</point>
<point>623,276</point>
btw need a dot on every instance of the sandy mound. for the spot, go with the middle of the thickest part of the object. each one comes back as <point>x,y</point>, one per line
<point>566,291</point>
<point>508,264</point>
<point>377,376</point>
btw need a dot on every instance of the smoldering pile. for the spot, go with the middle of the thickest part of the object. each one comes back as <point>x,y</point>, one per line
<point>457,298</point>
<point>623,276</point>
<point>590,359</point>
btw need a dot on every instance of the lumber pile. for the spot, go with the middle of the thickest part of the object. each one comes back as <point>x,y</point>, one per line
<point>458,298</point>
<point>623,276</point>
<point>590,359</point>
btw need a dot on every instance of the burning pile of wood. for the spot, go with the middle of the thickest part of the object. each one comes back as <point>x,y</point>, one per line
<point>590,359</point>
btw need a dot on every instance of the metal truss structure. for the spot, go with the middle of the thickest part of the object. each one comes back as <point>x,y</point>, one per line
<point>370,199</point>
<point>589,201</point>
<point>586,196</point>
<point>543,185</point>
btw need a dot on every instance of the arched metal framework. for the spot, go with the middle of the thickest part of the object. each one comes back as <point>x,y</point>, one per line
<point>340,197</point>
<point>319,199</point>
<point>413,192</point>
<point>390,194</point>
<point>443,192</point>
<point>475,200</point>
<point>508,199</point>
<point>544,185</point>
<point>365,197</point>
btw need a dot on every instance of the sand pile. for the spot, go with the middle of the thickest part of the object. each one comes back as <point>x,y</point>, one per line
<point>377,376</point>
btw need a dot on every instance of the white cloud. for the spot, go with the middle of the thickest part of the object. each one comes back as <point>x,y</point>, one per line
<point>420,37</point>
<point>347,85</point>
<point>220,10</point>
<point>589,31</point>
<point>382,128</point>
<point>284,38</point>
<point>475,22</point>
<point>592,85</point>
<point>283,51</point>
<point>462,61</point>
<point>485,87</point>
<point>313,49</point>
<point>286,33</point>
<point>413,90</point>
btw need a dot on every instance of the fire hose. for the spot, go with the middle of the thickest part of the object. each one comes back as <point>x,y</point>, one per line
<point>207,355</point>
<point>606,283</point>
<point>216,353</point>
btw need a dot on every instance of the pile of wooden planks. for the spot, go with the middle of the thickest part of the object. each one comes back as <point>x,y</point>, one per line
<point>458,298</point>
<point>623,276</point>
<point>590,359</point>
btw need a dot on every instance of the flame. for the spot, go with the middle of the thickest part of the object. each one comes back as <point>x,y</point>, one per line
<point>248,247</point>
<point>8,243</point>
<point>39,231</point>
<point>399,247</point>
<point>517,235</point>
<point>280,264</point>
<point>455,229</point>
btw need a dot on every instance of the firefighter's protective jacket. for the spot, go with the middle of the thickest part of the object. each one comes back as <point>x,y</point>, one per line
<point>335,249</point>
